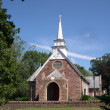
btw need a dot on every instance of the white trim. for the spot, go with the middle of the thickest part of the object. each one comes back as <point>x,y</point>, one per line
<point>32,77</point>
<point>57,58</point>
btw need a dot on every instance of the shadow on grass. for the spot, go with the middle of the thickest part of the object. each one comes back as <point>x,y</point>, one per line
<point>104,108</point>
<point>106,100</point>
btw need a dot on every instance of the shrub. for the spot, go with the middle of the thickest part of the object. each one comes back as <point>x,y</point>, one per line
<point>69,99</point>
<point>105,99</point>
<point>21,99</point>
<point>24,98</point>
<point>86,97</point>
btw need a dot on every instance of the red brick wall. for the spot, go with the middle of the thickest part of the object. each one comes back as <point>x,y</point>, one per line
<point>13,105</point>
<point>70,83</point>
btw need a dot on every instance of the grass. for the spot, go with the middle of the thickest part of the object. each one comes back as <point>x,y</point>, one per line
<point>75,108</point>
<point>87,108</point>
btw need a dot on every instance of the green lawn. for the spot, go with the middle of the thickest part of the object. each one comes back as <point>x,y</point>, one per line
<point>75,108</point>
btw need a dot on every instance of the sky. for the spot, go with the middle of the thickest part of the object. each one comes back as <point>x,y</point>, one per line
<point>85,25</point>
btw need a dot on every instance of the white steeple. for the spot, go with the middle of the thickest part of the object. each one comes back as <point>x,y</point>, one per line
<point>60,35</point>
<point>60,42</point>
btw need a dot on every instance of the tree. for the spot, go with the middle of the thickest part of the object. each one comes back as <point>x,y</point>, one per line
<point>29,62</point>
<point>8,74</point>
<point>7,28</point>
<point>33,59</point>
<point>15,67</point>
<point>83,70</point>
<point>101,66</point>
<point>9,77</point>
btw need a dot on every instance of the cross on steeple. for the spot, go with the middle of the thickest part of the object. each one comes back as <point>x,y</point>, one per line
<point>60,17</point>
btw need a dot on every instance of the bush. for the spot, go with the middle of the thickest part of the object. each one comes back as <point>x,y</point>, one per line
<point>24,98</point>
<point>86,97</point>
<point>21,99</point>
<point>69,99</point>
<point>105,99</point>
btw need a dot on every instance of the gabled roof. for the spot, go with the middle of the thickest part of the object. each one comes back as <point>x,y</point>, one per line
<point>57,54</point>
<point>62,56</point>
<point>55,74</point>
<point>97,81</point>
<point>34,75</point>
<point>74,67</point>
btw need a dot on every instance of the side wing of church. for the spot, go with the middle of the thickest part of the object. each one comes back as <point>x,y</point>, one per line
<point>58,79</point>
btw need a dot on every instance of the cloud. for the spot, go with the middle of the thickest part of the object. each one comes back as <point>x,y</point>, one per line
<point>86,42</point>
<point>69,53</point>
<point>80,56</point>
<point>41,46</point>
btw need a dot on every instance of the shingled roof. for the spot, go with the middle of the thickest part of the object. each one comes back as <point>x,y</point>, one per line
<point>97,81</point>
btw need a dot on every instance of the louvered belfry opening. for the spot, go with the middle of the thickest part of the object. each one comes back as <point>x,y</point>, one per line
<point>53,92</point>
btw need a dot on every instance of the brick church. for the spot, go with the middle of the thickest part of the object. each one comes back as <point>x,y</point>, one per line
<point>58,79</point>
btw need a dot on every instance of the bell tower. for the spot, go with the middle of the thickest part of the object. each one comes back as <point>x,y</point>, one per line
<point>60,42</point>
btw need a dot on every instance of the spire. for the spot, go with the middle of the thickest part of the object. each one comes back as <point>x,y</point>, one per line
<point>60,35</point>
<point>60,42</point>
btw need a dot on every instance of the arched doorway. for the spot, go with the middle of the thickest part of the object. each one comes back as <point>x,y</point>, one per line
<point>53,92</point>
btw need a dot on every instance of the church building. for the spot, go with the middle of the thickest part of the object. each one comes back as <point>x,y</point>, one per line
<point>58,79</point>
